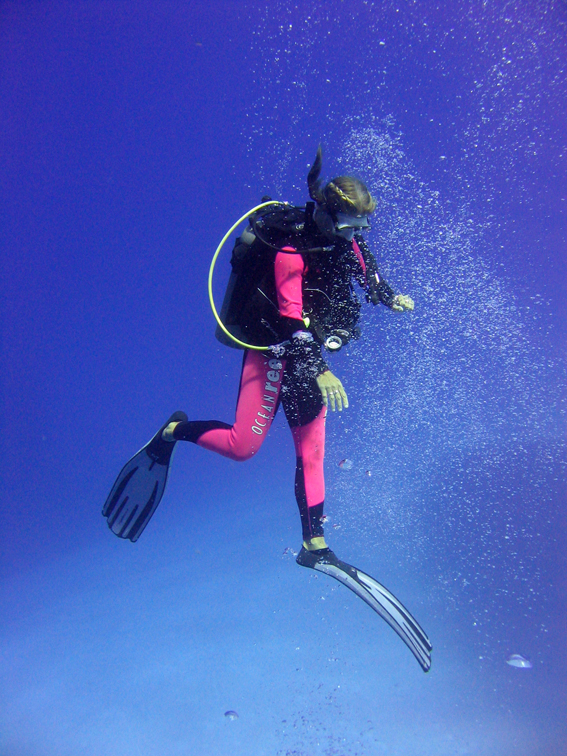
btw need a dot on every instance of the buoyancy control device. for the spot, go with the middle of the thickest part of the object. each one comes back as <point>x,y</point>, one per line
<point>249,314</point>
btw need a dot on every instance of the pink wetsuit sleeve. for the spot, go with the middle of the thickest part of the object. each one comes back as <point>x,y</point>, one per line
<point>289,269</point>
<point>358,253</point>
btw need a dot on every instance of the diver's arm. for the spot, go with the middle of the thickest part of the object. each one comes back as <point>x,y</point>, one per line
<point>378,289</point>
<point>289,270</point>
<point>381,291</point>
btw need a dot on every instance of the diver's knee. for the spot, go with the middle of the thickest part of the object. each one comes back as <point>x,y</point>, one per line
<point>242,455</point>
<point>314,459</point>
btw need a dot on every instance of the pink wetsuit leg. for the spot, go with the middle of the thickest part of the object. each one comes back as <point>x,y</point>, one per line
<point>309,443</point>
<point>260,386</point>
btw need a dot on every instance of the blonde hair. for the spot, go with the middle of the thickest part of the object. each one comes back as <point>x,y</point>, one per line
<point>347,194</point>
<point>344,194</point>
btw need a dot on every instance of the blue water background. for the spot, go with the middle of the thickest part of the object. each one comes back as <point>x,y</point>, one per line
<point>133,135</point>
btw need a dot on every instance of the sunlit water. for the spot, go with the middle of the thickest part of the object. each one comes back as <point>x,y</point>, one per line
<point>205,638</point>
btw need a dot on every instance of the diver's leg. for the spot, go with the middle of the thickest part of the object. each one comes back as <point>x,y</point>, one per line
<point>260,385</point>
<point>306,415</point>
<point>309,443</point>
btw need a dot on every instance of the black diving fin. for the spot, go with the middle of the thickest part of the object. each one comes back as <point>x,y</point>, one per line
<point>139,487</point>
<point>376,596</point>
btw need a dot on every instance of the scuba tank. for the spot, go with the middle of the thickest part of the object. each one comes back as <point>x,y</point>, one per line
<point>249,267</point>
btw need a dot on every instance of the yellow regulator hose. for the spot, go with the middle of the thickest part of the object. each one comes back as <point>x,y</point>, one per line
<point>212,269</point>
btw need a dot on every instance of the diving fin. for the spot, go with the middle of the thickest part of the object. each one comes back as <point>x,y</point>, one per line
<point>376,596</point>
<point>139,487</point>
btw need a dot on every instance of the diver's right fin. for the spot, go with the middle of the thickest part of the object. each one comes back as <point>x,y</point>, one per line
<point>139,487</point>
<point>376,596</point>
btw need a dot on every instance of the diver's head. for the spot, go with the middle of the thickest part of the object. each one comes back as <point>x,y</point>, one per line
<point>343,205</point>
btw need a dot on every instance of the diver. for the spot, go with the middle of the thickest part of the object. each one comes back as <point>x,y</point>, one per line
<point>293,295</point>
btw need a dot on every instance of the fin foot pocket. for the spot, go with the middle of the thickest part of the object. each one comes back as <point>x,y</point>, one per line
<point>140,485</point>
<point>376,596</point>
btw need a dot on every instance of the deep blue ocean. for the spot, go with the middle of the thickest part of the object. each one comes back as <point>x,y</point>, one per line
<point>133,134</point>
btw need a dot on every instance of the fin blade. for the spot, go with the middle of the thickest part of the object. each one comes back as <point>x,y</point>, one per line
<point>135,530</point>
<point>140,486</point>
<point>377,596</point>
<point>135,496</point>
<point>118,489</point>
<point>374,587</point>
<point>387,606</point>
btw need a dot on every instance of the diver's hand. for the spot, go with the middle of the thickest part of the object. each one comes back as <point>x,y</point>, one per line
<point>332,391</point>
<point>402,302</point>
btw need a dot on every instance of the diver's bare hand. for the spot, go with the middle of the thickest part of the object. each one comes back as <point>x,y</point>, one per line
<point>402,302</point>
<point>332,391</point>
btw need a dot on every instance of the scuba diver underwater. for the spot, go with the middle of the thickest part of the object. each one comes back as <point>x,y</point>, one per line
<point>291,294</point>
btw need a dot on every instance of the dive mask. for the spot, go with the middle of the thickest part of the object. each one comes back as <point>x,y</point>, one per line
<point>339,224</point>
<point>342,221</point>
<point>347,225</point>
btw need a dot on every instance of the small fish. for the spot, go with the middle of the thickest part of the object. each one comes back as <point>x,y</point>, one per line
<point>518,661</point>
<point>231,715</point>
<point>345,464</point>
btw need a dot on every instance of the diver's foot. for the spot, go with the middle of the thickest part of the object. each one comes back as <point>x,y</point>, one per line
<point>309,558</point>
<point>167,433</point>
<point>315,544</point>
<point>158,448</point>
